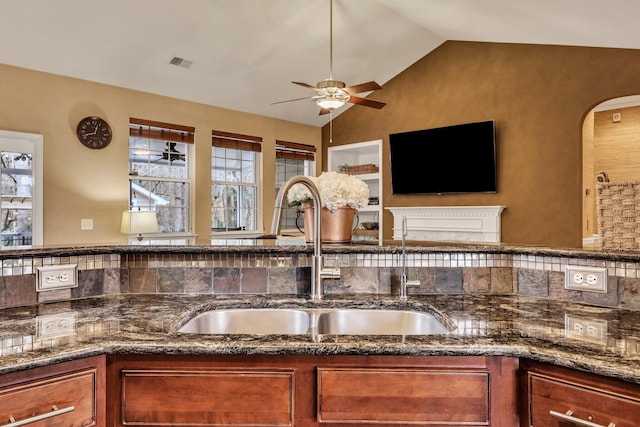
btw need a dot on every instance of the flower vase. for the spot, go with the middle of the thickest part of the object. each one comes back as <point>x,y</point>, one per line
<point>337,226</point>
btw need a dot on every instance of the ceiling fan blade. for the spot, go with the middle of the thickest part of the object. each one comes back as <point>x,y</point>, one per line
<point>366,102</point>
<point>308,86</point>
<point>362,87</point>
<point>324,111</point>
<point>290,100</point>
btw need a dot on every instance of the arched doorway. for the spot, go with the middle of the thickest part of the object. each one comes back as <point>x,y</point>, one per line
<point>611,152</point>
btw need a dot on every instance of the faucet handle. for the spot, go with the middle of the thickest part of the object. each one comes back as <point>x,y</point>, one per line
<point>404,226</point>
<point>405,282</point>
<point>331,273</point>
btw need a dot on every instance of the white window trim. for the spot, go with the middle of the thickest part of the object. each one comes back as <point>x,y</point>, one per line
<point>30,142</point>
<point>294,231</point>
<point>221,235</point>
<point>189,235</point>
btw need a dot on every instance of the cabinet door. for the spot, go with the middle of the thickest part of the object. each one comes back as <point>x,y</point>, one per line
<point>308,391</point>
<point>403,396</point>
<point>63,395</point>
<point>207,397</point>
<point>559,403</point>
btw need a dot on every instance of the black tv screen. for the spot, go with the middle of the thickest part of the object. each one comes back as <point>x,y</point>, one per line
<point>452,159</point>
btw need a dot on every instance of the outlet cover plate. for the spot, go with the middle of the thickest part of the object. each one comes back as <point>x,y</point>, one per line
<point>56,325</point>
<point>583,328</point>
<point>52,277</point>
<point>590,279</point>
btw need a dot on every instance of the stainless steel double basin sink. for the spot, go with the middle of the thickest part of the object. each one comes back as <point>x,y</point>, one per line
<point>334,321</point>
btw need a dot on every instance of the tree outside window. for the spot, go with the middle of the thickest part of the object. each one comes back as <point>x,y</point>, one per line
<point>16,212</point>
<point>159,172</point>
<point>234,178</point>
<point>293,159</point>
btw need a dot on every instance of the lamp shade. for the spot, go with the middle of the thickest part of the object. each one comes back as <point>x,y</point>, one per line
<point>330,103</point>
<point>138,222</point>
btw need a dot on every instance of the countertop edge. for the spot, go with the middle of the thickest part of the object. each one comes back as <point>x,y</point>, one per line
<point>388,247</point>
<point>521,350</point>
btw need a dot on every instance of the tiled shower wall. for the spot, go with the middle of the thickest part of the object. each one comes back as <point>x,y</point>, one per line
<point>376,273</point>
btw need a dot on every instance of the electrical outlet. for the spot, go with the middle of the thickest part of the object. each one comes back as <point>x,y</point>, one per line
<point>592,279</point>
<point>586,329</point>
<point>56,325</point>
<point>52,277</point>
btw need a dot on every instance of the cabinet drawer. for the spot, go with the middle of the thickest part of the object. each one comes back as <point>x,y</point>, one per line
<point>65,400</point>
<point>403,396</point>
<point>207,397</point>
<point>599,407</point>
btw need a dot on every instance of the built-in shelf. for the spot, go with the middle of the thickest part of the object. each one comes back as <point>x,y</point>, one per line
<point>369,176</point>
<point>370,208</point>
<point>373,233</point>
<point>363,153</point>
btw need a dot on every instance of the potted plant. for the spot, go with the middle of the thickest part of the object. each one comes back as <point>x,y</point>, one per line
<point>341,195</point>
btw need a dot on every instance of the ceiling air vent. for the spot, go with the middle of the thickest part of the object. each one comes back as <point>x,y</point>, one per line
<point>180,62</point>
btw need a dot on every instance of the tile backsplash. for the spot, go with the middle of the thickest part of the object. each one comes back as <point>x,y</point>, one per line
<point>361,273</point>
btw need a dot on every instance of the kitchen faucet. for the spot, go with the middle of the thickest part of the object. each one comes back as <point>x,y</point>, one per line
<point>318,273</point>
<point>403,278</point>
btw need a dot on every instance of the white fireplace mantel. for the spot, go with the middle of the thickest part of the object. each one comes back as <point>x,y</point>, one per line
<point>473,224</point>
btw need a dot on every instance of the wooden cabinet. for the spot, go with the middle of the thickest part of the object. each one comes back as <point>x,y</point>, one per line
<point>207,396</point>
<point>65,394</point>
<point>312,390</point>
<point>416,395</point>
<point>558,397</point>
<point>354,156</point>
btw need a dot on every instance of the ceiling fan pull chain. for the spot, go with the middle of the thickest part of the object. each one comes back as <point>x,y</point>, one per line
<point>330,126</point>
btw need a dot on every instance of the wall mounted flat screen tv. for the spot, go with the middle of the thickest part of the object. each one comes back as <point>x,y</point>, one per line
<point>446,160</point>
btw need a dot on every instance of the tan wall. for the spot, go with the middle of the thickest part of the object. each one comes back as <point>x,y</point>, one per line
<point>617,145</point>
<point>538,96</point>
<point>83,183</point>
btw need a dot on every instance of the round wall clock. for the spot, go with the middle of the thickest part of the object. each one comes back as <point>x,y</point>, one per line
<point>94,132</point>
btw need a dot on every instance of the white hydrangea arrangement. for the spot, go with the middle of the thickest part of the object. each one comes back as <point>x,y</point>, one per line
<point>337,190</point>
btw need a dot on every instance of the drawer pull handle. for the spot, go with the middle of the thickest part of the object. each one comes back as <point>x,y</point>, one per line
<point>567,416</point>
<point>54,413</point>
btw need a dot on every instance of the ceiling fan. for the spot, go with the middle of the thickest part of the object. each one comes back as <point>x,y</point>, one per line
<point>332,94</point>
<point>170,154</point>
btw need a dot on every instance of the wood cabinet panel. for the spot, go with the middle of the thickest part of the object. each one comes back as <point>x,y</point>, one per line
<point>550,396</point>
<point>207,397</point>
<point>403,396</point>
<point>255,390</point>
<point>557,397</point>
<point>69,394</point>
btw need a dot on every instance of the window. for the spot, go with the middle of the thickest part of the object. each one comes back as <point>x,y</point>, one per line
<point>234,181</point>
<point>159,172</point>
<point>21,177</point>
<point>292,159</point>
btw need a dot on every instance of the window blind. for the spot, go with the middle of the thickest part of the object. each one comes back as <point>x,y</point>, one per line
<point>162,131</point>
<point>236,141</point>
<point>294,150</point>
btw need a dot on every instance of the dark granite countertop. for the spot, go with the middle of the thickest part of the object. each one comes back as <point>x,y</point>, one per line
<point>291,245</point>
<point>517,326</point>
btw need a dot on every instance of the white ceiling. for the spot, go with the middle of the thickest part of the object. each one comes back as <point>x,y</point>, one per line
<point>245,53</point>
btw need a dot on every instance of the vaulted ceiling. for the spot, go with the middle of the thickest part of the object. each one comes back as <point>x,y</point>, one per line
<point>243,54</point>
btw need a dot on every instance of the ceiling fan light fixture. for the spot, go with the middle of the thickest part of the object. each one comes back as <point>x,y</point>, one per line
<point>329,103</point>
<point>331,98</point>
